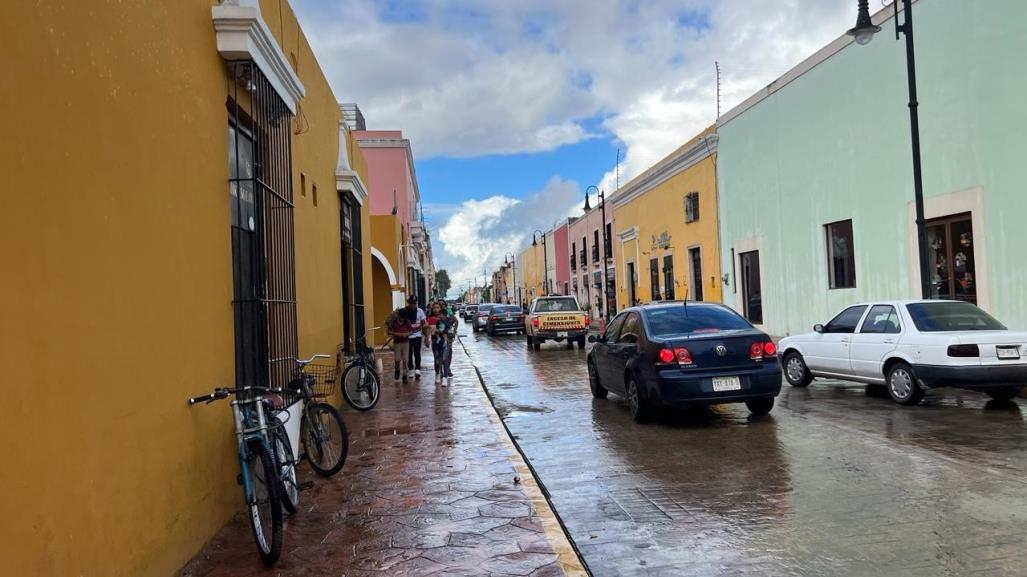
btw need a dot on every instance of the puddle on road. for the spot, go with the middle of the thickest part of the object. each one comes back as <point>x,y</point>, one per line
<point>511,409</point>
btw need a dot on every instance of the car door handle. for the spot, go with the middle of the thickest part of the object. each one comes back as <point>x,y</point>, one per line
<point>889,341</point>
<point>844,340</point>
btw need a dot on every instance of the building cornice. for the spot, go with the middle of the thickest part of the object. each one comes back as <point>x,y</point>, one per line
<point>242,34</point>
<point>629,234</point>
<point>680,160</point>
<point>349,180</point>
<point>836,46</point>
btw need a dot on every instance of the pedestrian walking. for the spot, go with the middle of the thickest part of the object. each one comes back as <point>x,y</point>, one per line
<point>442,344</point>
<point>400,328</point>
<point>416,337</point>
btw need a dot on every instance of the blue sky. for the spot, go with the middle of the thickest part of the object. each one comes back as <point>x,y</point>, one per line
<point>514,107</point>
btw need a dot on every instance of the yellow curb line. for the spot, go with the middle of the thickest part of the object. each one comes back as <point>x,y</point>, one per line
<point>568,559</point>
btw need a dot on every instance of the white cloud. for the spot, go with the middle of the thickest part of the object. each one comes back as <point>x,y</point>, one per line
<point>474,77</point>
<point>480,233</point>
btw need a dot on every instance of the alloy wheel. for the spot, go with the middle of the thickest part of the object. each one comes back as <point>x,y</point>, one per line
<point>795,370</point>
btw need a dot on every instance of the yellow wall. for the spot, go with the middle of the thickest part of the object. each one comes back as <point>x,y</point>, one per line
<point>116,305</point>
<point>662,209</point>
<point>531,274</point>
<point>386,238</point>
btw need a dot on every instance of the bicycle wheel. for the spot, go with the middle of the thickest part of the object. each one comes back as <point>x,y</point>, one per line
<point>286,463</point>
<point>325,439</point>
<point>360,386</point>
<point>265,502</point>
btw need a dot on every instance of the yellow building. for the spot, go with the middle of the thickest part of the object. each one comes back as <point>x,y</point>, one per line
<point>154,151</point>
<point>666,228</point>
<point>531,272</point>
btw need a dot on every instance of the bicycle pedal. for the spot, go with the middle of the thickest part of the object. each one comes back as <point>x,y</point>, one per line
<point>306,485</point>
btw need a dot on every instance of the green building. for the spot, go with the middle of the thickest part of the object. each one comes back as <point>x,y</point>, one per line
<point>815,172</point>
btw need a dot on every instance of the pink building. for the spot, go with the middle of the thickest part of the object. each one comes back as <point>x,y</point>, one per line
<point>562,282</point>
<point>394,191</point>
<point>585,235</point>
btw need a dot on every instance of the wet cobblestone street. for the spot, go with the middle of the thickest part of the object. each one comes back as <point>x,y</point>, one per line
<point>838,480</point>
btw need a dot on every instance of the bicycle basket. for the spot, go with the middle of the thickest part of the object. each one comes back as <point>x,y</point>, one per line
<point>324,373</point>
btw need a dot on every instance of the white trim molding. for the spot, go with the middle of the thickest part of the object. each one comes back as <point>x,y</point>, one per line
<point>349,180</point>
<point>968,200</point>
<point>385,263</point>
<point>743,245</point>
<point>242,34</point>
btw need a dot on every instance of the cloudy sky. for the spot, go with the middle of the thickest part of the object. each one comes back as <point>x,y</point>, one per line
<point>513,107</point>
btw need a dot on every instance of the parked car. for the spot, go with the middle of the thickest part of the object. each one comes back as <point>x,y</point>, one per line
<point>911,346</point>
<point>679,353</point>
<point>555,318</point>
<point>469,311</point>
<point>481,316</point>
<point>504,319</point>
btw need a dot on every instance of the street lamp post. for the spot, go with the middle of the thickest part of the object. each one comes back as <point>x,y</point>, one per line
<point>601,197</point>
<point>513,263</point>
<point>545,260</point>
<point>863,33</point>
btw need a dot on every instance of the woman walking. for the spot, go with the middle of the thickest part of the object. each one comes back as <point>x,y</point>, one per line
<point>442,344</point>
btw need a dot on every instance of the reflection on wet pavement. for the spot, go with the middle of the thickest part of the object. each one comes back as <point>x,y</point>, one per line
<point>838,480</point>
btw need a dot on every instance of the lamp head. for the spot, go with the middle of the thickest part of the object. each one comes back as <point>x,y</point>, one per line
<point>865,29</point>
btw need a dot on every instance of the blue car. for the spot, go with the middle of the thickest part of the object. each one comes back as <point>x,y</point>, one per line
<point>678,353</point>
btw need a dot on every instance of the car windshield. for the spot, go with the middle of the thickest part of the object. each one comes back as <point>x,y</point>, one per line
<point>951,316</point>
<point>687,320</point>
<point>566,305</point>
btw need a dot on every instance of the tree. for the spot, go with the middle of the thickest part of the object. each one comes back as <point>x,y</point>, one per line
<point>442,282</point>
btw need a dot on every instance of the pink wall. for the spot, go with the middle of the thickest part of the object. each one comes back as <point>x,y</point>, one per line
<point>585,226</point>
<point>563,263</point>
<point>389,169</point>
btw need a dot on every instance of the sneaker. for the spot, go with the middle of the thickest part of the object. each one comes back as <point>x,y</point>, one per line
<point>438,378</point>
<point>449,381</point>
<point>417,373</point>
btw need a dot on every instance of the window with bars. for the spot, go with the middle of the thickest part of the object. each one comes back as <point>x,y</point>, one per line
<point>574,256</point>
<point>608,244</point>
<point>595,245</point>
<point>691,207</point>
<point>262,226</point>
<point>654,278</point>
<point>668,277</point>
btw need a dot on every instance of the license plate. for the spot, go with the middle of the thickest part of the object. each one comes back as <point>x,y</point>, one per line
<point>509,318</point>
<point>1008,352</point>
<point>726,384</point>
<point>561,334</point>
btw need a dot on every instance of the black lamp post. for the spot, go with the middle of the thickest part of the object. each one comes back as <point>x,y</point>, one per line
<point>601,196</point>
<point>513,264</point>
<point>863,33</point>
<point>545,260</point>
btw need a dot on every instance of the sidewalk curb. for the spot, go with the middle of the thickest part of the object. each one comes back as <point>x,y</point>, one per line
<point>571,562</point>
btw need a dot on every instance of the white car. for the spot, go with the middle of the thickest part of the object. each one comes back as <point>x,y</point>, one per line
<point>911,346</point>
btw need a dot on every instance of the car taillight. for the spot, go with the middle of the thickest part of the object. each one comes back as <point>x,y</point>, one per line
<point>522,316</point>
<point>492,318</point>
<point>769,349</point>
<point>964,351</point>
<point>756,351</point>
<point>679,355</point>
<point>586,320</point>
<point>534,322</point>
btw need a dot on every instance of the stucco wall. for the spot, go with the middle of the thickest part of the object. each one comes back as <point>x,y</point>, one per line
<point>114,229</point>
<point>834,144</point>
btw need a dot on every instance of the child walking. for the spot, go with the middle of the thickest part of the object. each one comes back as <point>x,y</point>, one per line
<point>442,344</point>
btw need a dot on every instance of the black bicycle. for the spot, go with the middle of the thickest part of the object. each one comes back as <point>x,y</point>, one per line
<point>361,383</point>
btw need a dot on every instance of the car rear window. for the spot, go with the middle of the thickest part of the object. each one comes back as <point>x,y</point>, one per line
<point>506,309</point>
<point>556,306</point>
<point>693,319</point>
<point>951,316</point>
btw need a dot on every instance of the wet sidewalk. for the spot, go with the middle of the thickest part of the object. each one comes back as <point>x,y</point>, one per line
<point>428,489</point>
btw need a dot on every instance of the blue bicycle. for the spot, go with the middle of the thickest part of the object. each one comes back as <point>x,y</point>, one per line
<point>257,465</point>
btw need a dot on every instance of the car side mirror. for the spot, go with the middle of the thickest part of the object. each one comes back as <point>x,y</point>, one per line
<point>593,339</point>
<point>819,328</point>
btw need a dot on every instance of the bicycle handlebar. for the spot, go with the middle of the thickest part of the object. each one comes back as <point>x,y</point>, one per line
<point>302,362</point>
<point>222,392</point>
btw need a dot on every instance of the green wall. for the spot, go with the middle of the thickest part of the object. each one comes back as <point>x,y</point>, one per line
<point>834,144</point>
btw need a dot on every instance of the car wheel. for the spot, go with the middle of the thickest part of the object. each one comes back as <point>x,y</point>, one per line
<point>796,372</point>
<point>902,385</point>
<point>760,407</point>
<point>641,411</point>
<point>1004,393</point>
<point>598,391</point>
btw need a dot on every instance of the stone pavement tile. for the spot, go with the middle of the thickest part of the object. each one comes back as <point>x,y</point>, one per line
<point>428,490</point>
